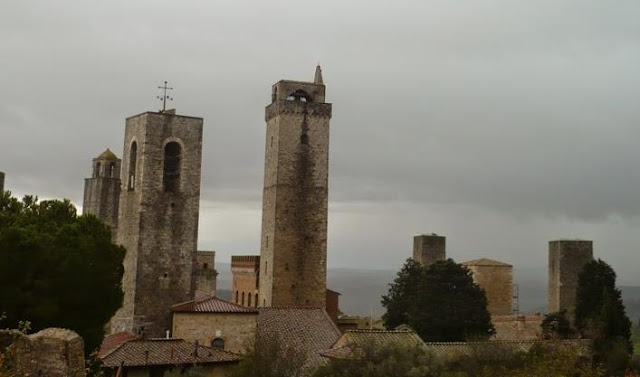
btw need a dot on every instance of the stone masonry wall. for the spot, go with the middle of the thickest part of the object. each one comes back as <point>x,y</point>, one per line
<point>295,198</point>
<point>206,274</point>
<point>246,279</point>
<point>566,261</point>
<point>497,282</point>
<point>237,329</point>
<point>49,353</point>
<point>102,193</point>
<point>158,227</point>
<point>429,248</point>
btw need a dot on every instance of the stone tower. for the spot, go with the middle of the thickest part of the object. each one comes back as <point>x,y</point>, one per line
<point>496,278</point>
<point>158,218</point>
<point>246,279</point>
<point>293,250</point>
<point>205,274</point>
<point>429,248</point>
<point>1,181</point>
<point>102,190</point>
<point>566,261</point>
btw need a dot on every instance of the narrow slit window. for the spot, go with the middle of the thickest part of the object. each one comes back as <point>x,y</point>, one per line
<point>133,155</point>
<point>171,172</point>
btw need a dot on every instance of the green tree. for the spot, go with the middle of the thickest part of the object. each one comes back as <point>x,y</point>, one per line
<point>556,326</point>
<point>271,357</point>
<point>440,302</point>
<point>57,269</point>
<point>600,316</point>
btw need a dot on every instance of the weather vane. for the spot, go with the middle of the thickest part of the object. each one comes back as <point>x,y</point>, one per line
<point>164,97</point>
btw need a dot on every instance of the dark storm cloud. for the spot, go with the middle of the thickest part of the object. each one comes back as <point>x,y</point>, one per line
<point>508,109</point>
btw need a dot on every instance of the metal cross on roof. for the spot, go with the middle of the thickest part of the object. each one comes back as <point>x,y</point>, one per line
<point>164,97</point>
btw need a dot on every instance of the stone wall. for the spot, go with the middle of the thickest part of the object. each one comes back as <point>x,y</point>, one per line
<point>295,198</point>
<point>246,280</point>
<point>206,274</point>
<point>158,222</point>
<point>517,327</point>
<point>429,248</point>
<point>496,278</point>
<point>566,261</point>
<point>48,353</point>
<point>237,329</point>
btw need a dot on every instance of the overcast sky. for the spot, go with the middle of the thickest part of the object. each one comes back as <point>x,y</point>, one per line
<point>500,124</point>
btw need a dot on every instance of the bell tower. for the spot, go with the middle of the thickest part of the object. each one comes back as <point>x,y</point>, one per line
<point>158,218</point>
<point>293,254</point>
<point>102,190</point>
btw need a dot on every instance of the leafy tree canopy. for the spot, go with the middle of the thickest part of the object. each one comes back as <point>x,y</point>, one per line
<point>600,316</point>
<point>57,269</point>
<point>556,326</point>
<point>440,302</point>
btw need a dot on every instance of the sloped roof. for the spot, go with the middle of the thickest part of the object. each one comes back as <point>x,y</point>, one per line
<point>107,155</point>
<point>308,329</point>
<point>211,305</point>
<point>114,340</point>
<point>485,262</point>
<point>352,342</point>
<point>136,353</point>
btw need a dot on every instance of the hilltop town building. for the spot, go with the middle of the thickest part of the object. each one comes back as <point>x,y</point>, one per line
<point>429,248</point>
<point>158,218</point>
<point>293,255</point>
<point>102,190</point>
<point>206,274</point>
<point>566,261</point>
<point>496,278</point>
<point>246,279</point>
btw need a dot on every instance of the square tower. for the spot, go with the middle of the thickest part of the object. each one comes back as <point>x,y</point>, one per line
<point>246,280</point>
<point>293,252</point>
<point>496,278</point>
<point>566,261</point>
<point>429,248</point>
<point>158,218</point>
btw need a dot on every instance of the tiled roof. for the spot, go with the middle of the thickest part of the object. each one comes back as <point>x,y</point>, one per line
<point>211,305</point>
<point>143,352</point>
<point>353,341</point>
<point>114,340</point>
<point>308,329</point>
<point>485,262</point>
<point>453,350</point>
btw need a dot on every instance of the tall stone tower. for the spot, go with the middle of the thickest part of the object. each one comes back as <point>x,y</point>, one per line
<point>246,280</point>
<point>429,248</point>
<point>496,278</point>
<point>293,253</point>
<point>102,190</point>
<point>206,274</point>
<point>158,218</point>
<point>566,261</point>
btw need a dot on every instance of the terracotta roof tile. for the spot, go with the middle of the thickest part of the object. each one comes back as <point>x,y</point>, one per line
<point>211,305</point>
<point>309,329</point>
<point>164,352</point>
<point>114,340</point>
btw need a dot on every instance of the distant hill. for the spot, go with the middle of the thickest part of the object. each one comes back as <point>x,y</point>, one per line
<point>362,289</point>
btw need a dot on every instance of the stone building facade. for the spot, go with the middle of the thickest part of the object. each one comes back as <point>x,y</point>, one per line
<point>566,261</point>
<point>1,181</point>
<point>102,190</point>
<point>293,250</point>
<point>496,278</point>
<point>206,274</point>
<point>429,248</point>
<point>246,280</point>
<point>158,218</point>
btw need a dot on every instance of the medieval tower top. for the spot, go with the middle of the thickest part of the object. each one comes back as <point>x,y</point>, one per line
<point>566,261</point>
<point>293,252</point>
<point>158,218</point>
<point>429,248</point>
<point>102,190</point>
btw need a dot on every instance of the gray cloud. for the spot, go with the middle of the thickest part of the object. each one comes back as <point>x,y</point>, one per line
<point>501,124</point>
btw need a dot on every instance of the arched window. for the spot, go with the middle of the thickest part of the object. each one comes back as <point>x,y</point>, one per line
<point>112,170</point>
<point>171,176</point>
<point>218,343</point>
<point>256,303</point>
<point>133,155</point>
<point>242,303</point>
<point>249,302</point>
<point>236,297</point>
<point>96,170</point>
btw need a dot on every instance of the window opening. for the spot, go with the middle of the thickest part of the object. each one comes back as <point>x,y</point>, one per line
<point>133,155</point>
<point>171,172</point>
